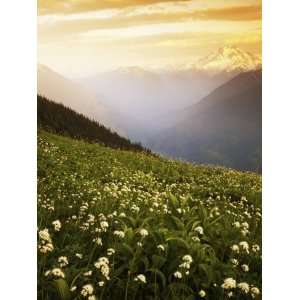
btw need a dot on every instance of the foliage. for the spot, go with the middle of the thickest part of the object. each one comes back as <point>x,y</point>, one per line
<point>117,225</point>
<point>59,119</point>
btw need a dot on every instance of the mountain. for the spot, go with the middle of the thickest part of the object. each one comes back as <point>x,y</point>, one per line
<point>62,90</point>
<point>147,100</point>
<point>223,128</point>
<point>60,119</point>
<point>228,59</point>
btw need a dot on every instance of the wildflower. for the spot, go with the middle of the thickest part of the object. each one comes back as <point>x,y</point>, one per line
<point>88,273</point>
<point>229,283</point>
<point>187,258</point>
<point>79,255</point>
<point>202,294</point>
<point>255,248</point>
<point>44,235</point>
<point>178,275</point>
<point>119,234</point>
<point>245,246</point>
<point>87,290</point>
<point>73,288</point>
<point>57,225</point>
<point>101,283</point>
<point>57,272</point>
<point>236,224</point>
<point>161,247</point>
<point>104,225</point>
<point>103,264</point>
<point>195,239</point>
<point>245,268</point>
<point>235,248</point>
<point>63,261</point>
<point>199,229</point>
<point>98,241</point>
<point>139,244</point>
<point>93,297</point>
<point>244,286</point>
<point>110,251</point>
<point>141,278</point>
<point>254,292</point>
<point>234,261</point>
<point>245,225</point>
<point>46,248</point>
<point>143,232</point>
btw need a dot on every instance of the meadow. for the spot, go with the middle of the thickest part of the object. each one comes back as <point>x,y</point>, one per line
<point>120,225</point>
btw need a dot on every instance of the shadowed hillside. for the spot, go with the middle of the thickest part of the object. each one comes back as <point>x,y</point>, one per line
<point>62,120</point>
<point>223,128</point>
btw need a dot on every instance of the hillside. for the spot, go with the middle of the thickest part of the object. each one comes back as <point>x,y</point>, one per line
<point>60,89</point>
<point>223,128</point>
<point>124,225</point>
<point>62,120</point>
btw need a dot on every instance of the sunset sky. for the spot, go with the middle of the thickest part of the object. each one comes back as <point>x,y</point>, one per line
<point>81,37</point>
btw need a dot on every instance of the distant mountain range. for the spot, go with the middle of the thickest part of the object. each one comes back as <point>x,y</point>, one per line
<point>208,111</point>
<point>223,128</point>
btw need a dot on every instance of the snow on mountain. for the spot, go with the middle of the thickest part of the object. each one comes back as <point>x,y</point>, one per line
<point>227,59</point>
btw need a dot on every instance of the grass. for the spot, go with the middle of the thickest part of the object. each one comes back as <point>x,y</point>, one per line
<point>132,226</point>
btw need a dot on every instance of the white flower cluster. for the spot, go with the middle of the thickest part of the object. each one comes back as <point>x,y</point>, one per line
<point>110,251</point>
<point>45,241</point>
<point>57,225</point>
<point>87,291</point>
<point>185,266</point>
<point>140,278</point>
<point>119,234</point>
<point>229,283</point>
<point>143,232</point>
<point>56,272</point>
<point>178,275</point>
<point>63,261</point>
<point>161,247</point>
<point>199,230</point>
<point>103,265</point>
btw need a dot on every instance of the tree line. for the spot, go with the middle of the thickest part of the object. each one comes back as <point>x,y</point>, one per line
<point>62,120</point>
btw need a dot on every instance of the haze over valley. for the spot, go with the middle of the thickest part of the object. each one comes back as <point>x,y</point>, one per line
<point>209,114</point>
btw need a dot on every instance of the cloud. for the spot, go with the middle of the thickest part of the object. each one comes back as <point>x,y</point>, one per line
<point>79,6</point>
<point>71,26</point>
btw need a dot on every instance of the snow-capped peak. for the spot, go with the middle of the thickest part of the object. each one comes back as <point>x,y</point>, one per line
<point>228,59</point>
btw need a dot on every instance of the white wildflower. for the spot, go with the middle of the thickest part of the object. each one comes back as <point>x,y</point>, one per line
<point>229,283</point>
<point>202,294</point>
<point>57,225</point>
<point>178,275</point>
<point>199,230</point>
<point>245,268</point>
<point>244,286</point>
<point>143,232</point>
<point>140,278</point>
<point>87,290</point>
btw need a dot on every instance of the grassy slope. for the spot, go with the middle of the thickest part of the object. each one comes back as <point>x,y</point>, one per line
<point>173,198</point>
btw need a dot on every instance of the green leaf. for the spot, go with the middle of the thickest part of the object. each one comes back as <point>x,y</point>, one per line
<point>62,288</point>
<point>178,242</point>
<point>160,275</point>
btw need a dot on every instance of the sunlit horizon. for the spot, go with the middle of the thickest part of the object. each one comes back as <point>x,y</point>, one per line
<point>86,37</point>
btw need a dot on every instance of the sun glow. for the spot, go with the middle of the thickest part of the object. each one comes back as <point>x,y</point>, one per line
<point>108,34</point>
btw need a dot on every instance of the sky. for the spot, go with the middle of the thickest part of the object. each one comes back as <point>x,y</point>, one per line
<point>83,37</point>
